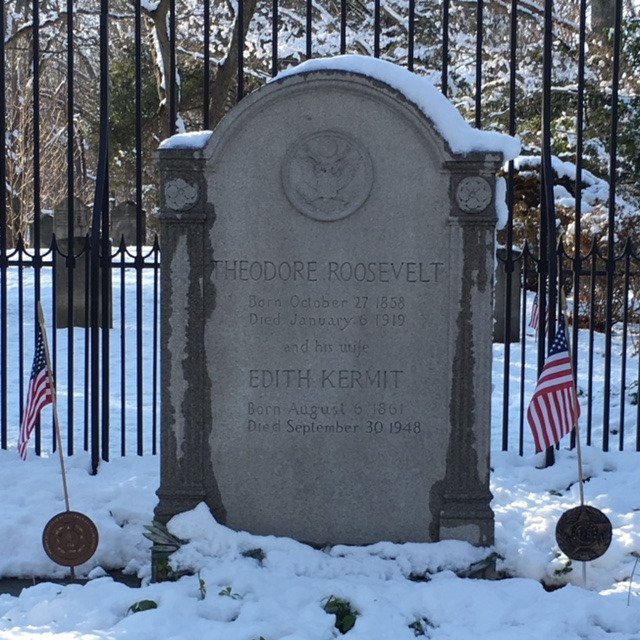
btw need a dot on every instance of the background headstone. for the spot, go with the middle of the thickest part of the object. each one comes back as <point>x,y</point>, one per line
<point>500,301</point>
<point>46,230</point>
<point>327,276</point>
<point>72,267</point>
<point>123,223</point>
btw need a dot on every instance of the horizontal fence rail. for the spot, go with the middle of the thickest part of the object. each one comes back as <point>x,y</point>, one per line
<point>88,90</point>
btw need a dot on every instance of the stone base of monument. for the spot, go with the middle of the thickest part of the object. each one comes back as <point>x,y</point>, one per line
<point>469,519</point>
<point>176,501</point>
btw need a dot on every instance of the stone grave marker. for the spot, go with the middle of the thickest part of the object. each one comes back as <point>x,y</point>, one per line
<point>327,269</point>
<point>123,223</point>
<point>71,260</point>
<point>500,295</point>
<point>46,230</point>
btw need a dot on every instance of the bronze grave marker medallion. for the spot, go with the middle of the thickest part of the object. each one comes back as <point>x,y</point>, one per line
<point>583,533</point>
<point>70,538</point>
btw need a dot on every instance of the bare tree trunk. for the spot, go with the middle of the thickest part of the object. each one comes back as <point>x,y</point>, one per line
<point>225,80</point>
<point>164,82</point>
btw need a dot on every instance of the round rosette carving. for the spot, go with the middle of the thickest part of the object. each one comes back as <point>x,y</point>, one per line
<point>473,194</point>
<point>180,195</point>
<point>327,175</point>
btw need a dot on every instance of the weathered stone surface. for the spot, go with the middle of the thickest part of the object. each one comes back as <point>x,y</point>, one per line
<point>46,231</point>
<point>72,268</point>
<point>501,307</point>
<point>81,216</point>
<point>124,224</point>
<point>327,277</point>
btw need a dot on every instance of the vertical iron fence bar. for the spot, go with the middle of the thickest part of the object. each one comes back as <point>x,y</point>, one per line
<point>411,33</point>
<point>274,38</point>
<point>88,362</point>
<point>508,268</point>
<point>4,266</point>
<point>542,272</point>
<point>343,26</point>
<point>577,255</point>
<point>376,29</point>
<point>140,215</point>
<point>172,84</point>
<point>610,265</point>
<point>101,196</point>
<point>309,29</point>
<point>105,287</point>
<point>20,327</point>
<point>206,76</point>
<point>123,352</point>
<point>592,312</point>
<point>70,261</point>
<point>523,345</point>
<point>444,82</point>
<point>240,27</point>
<point>106,315</point>
<point>509,261</point>
<point>549,218</point>
<point>547,177</point>
<point>625,321</point>
<point>154,404</point>
<point>479,44</point>
<point>36,180</point>
<point>54,339</point>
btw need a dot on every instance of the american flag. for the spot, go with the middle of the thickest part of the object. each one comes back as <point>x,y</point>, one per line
<point>554,408</point>
<point>39,394</point>
<point>535,314</point>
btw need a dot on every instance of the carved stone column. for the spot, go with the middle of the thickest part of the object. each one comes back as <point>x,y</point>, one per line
<point>466,512</point>
<point>182,216</point>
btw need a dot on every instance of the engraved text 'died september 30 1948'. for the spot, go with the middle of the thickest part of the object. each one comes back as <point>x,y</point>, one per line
<point>327,175</point>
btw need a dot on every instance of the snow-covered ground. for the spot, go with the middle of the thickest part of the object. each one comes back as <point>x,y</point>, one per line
<point>281,592</point>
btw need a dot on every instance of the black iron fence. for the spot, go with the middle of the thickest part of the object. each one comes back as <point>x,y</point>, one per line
<point>87,91</point>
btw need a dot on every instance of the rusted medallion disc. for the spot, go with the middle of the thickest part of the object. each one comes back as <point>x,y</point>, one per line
<point>70,538</point>
<point>583,533</point>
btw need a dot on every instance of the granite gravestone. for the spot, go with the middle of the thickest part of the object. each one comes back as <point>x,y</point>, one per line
<point>327,266</point>
<point>72,262</point>
<point>46,231</point>
<point>124,221</point>
<point>507,297</point>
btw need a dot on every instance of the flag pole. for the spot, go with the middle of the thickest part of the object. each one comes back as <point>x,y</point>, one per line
<point>563,302</point>
<point>54,404</point>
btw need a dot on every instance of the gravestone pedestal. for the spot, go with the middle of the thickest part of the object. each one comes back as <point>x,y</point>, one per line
<point>327,276</point>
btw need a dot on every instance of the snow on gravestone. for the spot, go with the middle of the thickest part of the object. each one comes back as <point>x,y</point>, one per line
<point>327,264</point>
